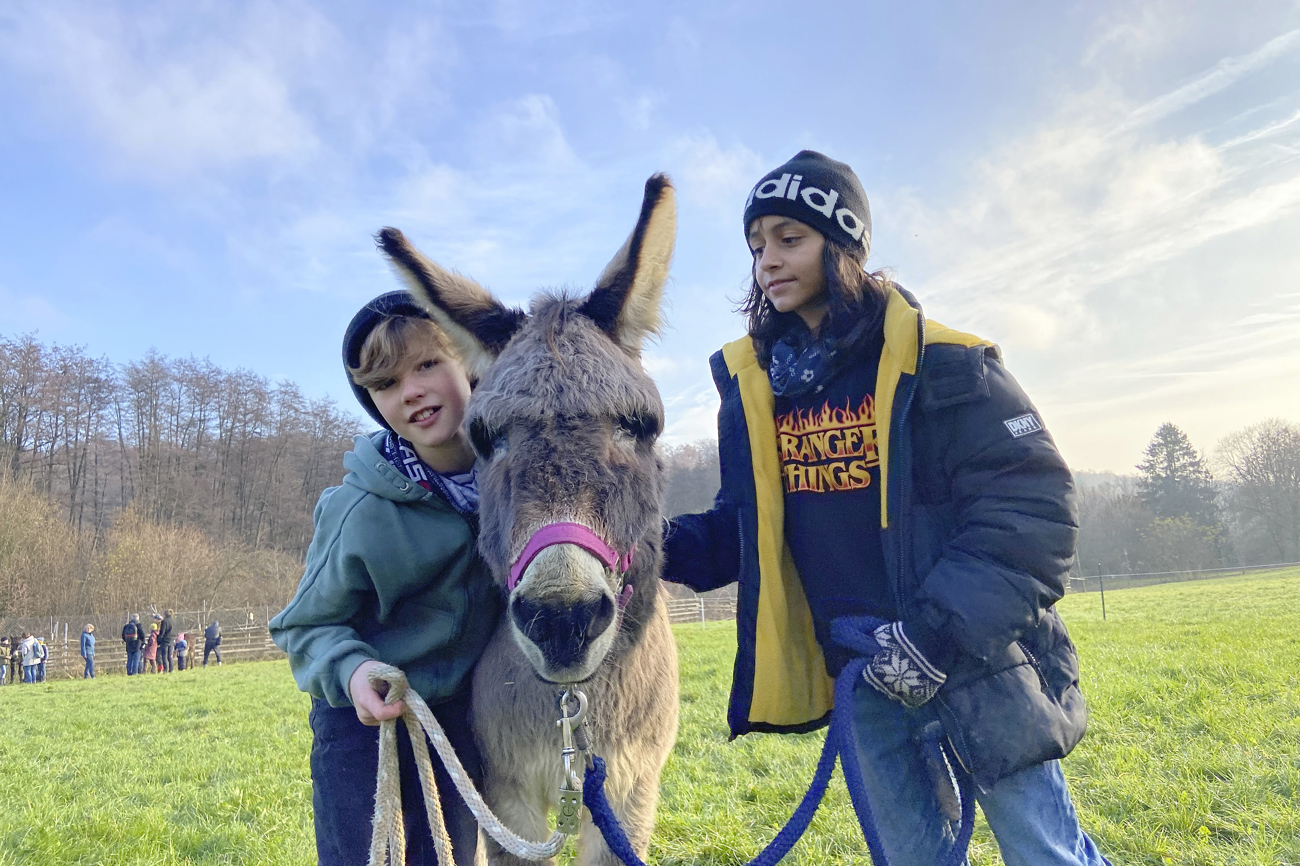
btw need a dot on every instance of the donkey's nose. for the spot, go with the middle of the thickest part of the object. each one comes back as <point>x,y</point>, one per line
<point>562,632</point>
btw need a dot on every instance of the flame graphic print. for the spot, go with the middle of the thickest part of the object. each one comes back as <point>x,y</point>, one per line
<point>828,450</point>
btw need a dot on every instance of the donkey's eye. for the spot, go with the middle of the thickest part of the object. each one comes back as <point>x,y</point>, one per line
<point>639,425</point>
<point>486,440</point>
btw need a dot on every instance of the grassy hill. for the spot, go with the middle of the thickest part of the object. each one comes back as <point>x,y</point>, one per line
<point>1192,756</point>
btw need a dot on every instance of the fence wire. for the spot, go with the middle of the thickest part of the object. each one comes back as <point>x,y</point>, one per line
<point>1101,582</point>
<point>245,636</point>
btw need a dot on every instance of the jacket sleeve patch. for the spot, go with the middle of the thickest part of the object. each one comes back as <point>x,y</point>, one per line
<point>1023,425</point>
<point>953,375</point>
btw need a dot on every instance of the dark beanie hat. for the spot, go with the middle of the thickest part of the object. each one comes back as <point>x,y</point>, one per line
<point>387,305</point>
<point>818,191</point>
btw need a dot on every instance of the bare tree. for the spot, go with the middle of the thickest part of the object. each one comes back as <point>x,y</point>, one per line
<point>22,368</point>
<point>691,475</point>
<point>1112,522</point>
<point>1262,467</point>
<point>149,453</point>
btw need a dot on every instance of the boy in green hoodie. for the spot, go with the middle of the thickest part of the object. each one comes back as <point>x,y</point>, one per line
<point>393,576</point>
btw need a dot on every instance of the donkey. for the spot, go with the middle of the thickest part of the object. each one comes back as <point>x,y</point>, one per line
<point>564,419</point>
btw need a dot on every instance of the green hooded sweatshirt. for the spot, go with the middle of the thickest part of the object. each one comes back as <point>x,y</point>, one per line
<point>393,575</point>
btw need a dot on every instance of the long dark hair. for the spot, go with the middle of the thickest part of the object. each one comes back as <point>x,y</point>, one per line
<point>851,289</point>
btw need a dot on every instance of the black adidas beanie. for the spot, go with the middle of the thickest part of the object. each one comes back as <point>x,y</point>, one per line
<point>397,303</point>
<point>818,191</point>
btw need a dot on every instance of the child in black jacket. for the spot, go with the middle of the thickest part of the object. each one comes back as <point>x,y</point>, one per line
<point>875,462</point>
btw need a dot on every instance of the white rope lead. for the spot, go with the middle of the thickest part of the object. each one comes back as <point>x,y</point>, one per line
<point>388,840</point>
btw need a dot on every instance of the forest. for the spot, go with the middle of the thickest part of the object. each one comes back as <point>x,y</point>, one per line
<point>160,481</point>
<point>174,482</point>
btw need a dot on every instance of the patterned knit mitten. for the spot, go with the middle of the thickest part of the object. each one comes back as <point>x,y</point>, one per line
<point>900,671</point>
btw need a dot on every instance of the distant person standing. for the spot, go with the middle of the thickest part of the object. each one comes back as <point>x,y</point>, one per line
<point>166,642</point>
<point>133,639</point>
<point>44,656</point>
<point>88,651</point>
<point>212,641</point>
<point>16,660</point>
<point>6,646</point>
<point>31,656</point>
<point>182,651</point>
<point>151,649</point>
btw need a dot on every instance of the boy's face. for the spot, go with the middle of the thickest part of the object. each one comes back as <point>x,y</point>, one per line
<point>425,405</point>
<point>788,266</point>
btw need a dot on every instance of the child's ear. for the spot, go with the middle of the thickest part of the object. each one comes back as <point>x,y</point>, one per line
<point>627,297</point>
<point>478,325</point>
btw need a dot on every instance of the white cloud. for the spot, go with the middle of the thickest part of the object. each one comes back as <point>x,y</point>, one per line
<point>525,133</point>
<point>1221,76</point>
<point>165,103</point>
<point>691,414</point>
<point>711,176</point>
<point>638,112</point>
<point>178,92</point>
<point>660,365</point>
<point>1107,255</point>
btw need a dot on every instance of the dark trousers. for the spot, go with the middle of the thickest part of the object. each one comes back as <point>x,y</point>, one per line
<point>166,661</point>
<point>134,662</point>
<point>344,767</point>
<point>211,648</point>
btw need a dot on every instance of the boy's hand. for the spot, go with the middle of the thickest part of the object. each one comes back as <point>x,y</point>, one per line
<point>369,703</point>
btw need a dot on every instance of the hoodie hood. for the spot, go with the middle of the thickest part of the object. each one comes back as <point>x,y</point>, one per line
<point>369,470</point>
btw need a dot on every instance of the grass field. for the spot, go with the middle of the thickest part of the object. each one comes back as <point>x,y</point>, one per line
<point>1192,756</point>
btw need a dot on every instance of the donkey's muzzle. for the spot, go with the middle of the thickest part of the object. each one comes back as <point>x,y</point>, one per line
<point>563,633</point>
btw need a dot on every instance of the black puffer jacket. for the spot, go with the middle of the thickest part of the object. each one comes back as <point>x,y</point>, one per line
<point>980,528</point>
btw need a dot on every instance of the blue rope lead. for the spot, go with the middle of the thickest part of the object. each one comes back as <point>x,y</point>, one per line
<point>593,797</point>
<point>855,634</point>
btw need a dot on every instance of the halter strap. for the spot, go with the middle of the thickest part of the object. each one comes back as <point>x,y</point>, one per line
<point>572,533</point>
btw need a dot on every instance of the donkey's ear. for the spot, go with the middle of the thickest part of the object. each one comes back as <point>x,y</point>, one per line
<point>478,325</point>
<point>625,302</point>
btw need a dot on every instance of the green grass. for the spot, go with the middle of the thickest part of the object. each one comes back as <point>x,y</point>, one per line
<point>204,766</point>
<point>1192,755</point>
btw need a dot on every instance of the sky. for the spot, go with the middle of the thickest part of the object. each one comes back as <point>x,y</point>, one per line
<point>1108,190</point>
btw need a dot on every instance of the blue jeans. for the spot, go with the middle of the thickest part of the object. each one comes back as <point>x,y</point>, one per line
<point>4,673</point>
<point>29,673</point>
<point>1029,812</point>
<point>344,765</point>
<point>90,668</point>
<point>134,662</point>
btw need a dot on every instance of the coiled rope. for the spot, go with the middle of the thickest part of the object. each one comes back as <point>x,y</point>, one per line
<point>388,839</point>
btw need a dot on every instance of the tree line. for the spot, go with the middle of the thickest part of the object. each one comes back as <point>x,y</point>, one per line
<point>1180,511</point>
<point>154,481</point>
<point>1184,510</point>
<point>172,481</point>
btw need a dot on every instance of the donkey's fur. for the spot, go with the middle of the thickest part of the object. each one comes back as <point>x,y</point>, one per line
<point>564,420</point>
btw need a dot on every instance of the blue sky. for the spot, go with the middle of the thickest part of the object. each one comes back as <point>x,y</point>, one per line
<point>1109,190</point>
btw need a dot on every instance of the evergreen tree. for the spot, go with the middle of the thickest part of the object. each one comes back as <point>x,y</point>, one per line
<point>1175,482</point>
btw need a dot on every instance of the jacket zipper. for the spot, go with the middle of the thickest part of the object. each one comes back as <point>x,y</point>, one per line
<point>740,530</point>
<point>944,712</point>
<point>1034,662</point>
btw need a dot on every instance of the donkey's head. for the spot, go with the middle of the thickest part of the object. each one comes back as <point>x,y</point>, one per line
<point>564,421</point>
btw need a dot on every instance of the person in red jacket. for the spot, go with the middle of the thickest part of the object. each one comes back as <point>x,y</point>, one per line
<point>151,650</point>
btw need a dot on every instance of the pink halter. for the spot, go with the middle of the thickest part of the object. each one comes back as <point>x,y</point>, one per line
<point>582,536</point>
